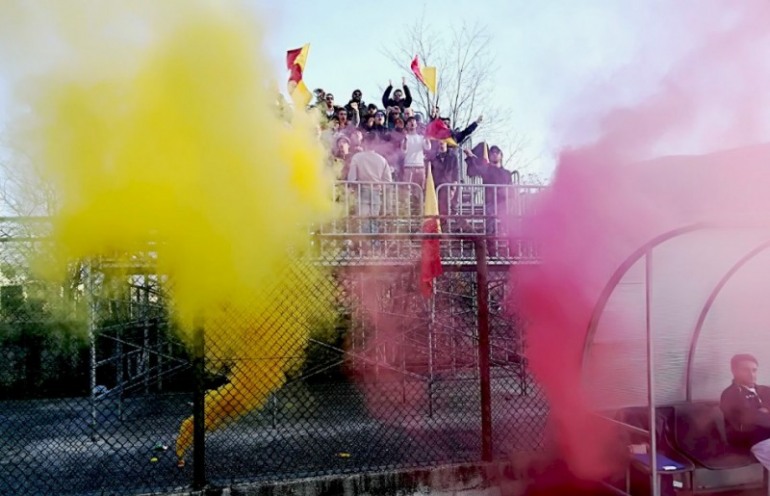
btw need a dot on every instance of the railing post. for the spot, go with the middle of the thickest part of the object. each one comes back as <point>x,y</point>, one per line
<point>482,292</point>
<point>199,407</point>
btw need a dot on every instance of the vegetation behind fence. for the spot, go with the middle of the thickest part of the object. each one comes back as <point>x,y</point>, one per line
<point>98,380</point>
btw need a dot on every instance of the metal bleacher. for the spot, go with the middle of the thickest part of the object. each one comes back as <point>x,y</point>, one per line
<point>381,223</point>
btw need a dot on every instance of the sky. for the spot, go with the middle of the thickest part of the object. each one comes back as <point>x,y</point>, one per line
<point>554,58</point>
<point>549,53</point>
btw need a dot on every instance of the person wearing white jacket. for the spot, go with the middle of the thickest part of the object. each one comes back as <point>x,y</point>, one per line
<point>414,147</point>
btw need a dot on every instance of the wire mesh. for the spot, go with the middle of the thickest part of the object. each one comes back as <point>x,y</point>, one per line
<point>97,378</point>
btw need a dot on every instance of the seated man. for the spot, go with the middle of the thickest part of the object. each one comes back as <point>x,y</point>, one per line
<point>745,407</point>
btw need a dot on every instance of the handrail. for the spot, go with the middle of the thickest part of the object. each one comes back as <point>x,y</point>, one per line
<point>632,428</point>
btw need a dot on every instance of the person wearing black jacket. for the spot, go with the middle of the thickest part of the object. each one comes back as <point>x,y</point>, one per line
<point>445,167</point>
<point>356,105</point>
<point>457,135</point>
<point>400,99</point>
<point>378,131</point>
<point>460,136</point>
<point>746,407</point>
<point>491,174</point>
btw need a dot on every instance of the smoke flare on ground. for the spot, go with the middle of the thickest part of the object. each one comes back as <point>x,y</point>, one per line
<point>158,130</point>
<point>606,201</point>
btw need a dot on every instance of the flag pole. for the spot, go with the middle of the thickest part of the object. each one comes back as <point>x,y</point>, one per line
<point>437,90</point>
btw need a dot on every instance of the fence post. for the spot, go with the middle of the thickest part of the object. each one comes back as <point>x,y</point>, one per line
<point>199,410</point>
<point>482,292</point>
<point>92,309</point>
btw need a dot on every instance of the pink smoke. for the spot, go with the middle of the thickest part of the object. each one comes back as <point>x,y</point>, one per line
<point>608,197</point>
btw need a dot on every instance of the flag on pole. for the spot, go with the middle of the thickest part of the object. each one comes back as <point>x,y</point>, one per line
<point>416,69</point>
<point>426,75</point>
<point>298,56</point>
<point>438,130</point>
<point>295,63</point>
<point>430,266</point>
<point>429,76</point>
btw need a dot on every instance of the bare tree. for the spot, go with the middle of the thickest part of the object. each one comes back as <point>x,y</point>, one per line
<point>465,70</point>
<point>23,191</point>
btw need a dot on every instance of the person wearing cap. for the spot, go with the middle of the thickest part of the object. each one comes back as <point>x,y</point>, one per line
<point>379,122</point>
<point>356,105</point>
<point>371,110</point>
<point>489,167</point>
<point>378,131</point>
<point>746,408</point>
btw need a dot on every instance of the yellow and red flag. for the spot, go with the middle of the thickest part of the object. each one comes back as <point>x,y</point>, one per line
<point>430,266</point>
<point>438,130</point>
<point>295,63</point>
<point>297,56</point>
<point>429,77</point>
<point>416,69</point>
<point>426,75</point>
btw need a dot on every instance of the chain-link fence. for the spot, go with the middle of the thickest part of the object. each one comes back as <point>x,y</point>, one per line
<point>351,370</point>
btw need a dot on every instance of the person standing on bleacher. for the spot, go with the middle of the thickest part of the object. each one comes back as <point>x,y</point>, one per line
<point>746,408</point>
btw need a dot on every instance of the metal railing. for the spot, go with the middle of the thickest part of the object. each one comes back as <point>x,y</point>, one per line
<point>95,386</point>
<point>375,221</point>
<point>370,208</point>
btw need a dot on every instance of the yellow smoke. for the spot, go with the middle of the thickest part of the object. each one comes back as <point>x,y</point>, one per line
<point>164,133</point>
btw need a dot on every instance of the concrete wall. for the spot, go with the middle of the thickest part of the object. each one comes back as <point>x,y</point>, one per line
<point>479,479</point>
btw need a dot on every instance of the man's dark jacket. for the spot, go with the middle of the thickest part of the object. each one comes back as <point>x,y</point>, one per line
<point>745,424</point>
<point>405,102</point>
<point>446,167</point>
<point>489,173</point>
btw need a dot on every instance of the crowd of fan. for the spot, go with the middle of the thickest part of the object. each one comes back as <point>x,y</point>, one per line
<point>369,143</point>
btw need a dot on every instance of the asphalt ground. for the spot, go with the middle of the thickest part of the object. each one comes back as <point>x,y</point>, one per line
<point>50,447</point>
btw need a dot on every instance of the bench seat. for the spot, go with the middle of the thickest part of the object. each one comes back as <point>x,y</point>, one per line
<point>699,434</point>
<point>694,433</point>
